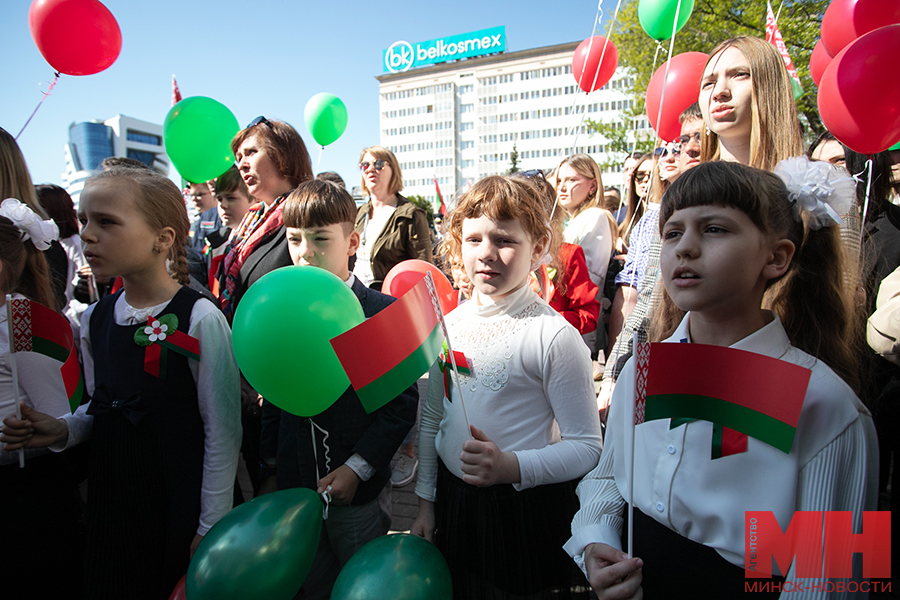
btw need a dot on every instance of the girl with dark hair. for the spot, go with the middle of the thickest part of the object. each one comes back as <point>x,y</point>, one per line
<point>736,239</point>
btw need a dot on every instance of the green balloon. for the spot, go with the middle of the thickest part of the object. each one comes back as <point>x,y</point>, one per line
<point>282,334</point>
<point>658,16</point>
<point>197,133</point>
<point>326,118</point>
<point>395,567</point>
<point>895,146</point>
<point>262,549</point>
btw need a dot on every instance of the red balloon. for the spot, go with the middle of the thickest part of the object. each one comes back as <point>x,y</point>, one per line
<point>858,94</point>
<point>178,593</point>
<point>587,68</point>
<point>682,89</point>
<point>818,61</point>
<point>846,20</point>
<point>77,37</point>
<point>405,275</point>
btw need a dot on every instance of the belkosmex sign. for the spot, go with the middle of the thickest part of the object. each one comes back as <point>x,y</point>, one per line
<point>403,56</point>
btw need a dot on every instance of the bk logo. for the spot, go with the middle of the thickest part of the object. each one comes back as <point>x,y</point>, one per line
<point>822,542</point>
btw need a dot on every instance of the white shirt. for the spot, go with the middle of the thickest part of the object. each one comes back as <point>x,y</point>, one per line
<point>590,230</point>
<point>40,385</point>
<point>218,399</point>
<point>833,464</point>
<point>374,226</point>
<point>530,391</point>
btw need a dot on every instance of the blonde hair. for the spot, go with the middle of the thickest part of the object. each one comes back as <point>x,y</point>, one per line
<point>161,203</point>
<point>499,198</point>
<point>396,183</point>
<point>775,129</point>
<point>15,181</point>
<point>585,166</point>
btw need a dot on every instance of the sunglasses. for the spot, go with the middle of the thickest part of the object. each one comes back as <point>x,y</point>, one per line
<point>664,151</point>
<point>687,138</point>
<point>533,173</point>
<point>258,120</point>
<point>641,177</point>
<point>379,164</point>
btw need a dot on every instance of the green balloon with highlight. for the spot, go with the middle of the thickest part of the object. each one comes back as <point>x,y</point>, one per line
<point>261,550</point>
<point>326,118</point>
<point>282,333</point>
<point>657,17</point>
<point>395,567</point>
<point>197,133</point>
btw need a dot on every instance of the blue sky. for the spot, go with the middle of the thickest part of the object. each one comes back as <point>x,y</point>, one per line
<point>258,57</point>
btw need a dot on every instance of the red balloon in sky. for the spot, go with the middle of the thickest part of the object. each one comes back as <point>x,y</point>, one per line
<point>682,89</point>
<point>77,37</point>
<point>818,61</point>
<point>846,20</point>
<point>858,95</point>
<point>590,73</point>
<point>405,275</point>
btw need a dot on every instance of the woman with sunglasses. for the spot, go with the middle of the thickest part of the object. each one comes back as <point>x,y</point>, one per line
<point>392,229</point>
<point>272,160</point>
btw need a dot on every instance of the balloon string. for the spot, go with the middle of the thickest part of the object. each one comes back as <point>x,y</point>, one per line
<point>45,94</point>
<point>584,64</point>
<point>662,98</point>
<point>319,160</point>
<point>862,227</point>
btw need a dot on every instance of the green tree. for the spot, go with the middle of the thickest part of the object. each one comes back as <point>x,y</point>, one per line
<point>714,21</point>
<point>513,161</point>
<point>621,137</point>
<point>425,205</point>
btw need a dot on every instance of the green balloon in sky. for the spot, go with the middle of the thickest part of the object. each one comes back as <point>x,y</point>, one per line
<point>395,567</point>
<point>326,118</point>
<point>261,550</point>
<point>197,133</point>
<point>282,333</point>
<point>658,16</point>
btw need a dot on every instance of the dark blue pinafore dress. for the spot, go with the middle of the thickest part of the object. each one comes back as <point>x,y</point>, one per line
<point>146,462</point>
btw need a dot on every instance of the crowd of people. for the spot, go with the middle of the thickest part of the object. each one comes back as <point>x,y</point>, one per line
<point>732,235</point>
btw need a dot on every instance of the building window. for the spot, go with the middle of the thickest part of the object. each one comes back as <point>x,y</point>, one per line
<point>144,138</point>
<point>466,126</point>
<point>145,157</point>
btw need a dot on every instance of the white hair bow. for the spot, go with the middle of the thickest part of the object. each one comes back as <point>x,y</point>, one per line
<point>817,188</point>
<point>41,233</point>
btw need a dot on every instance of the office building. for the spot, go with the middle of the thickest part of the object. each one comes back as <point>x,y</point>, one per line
<point>460,121</point>
<point>92,141</point>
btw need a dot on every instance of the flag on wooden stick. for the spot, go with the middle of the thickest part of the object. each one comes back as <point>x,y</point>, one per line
<point>773,36</point>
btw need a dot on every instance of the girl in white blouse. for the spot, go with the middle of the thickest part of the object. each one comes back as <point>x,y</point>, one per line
<point>164,415</point>
<point>496,477</point>
<point>734,236</point>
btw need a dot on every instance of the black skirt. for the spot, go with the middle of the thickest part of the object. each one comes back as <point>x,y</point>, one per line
<point>502,543</point>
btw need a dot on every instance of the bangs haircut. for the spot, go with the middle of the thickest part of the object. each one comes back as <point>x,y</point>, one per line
<point>230,182</point>
<point>500,198</point>
<point>387,156</point>
<point>284,147</point>
<point>761,195</point>
<point>318,203</point>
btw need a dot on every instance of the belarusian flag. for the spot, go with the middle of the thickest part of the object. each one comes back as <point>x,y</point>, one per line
<point>176,93</point>
<point>408,337</point>
<point>751,394</point>
<point>442,209</point>
<point>35,328</point>
<point>773,36</point>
